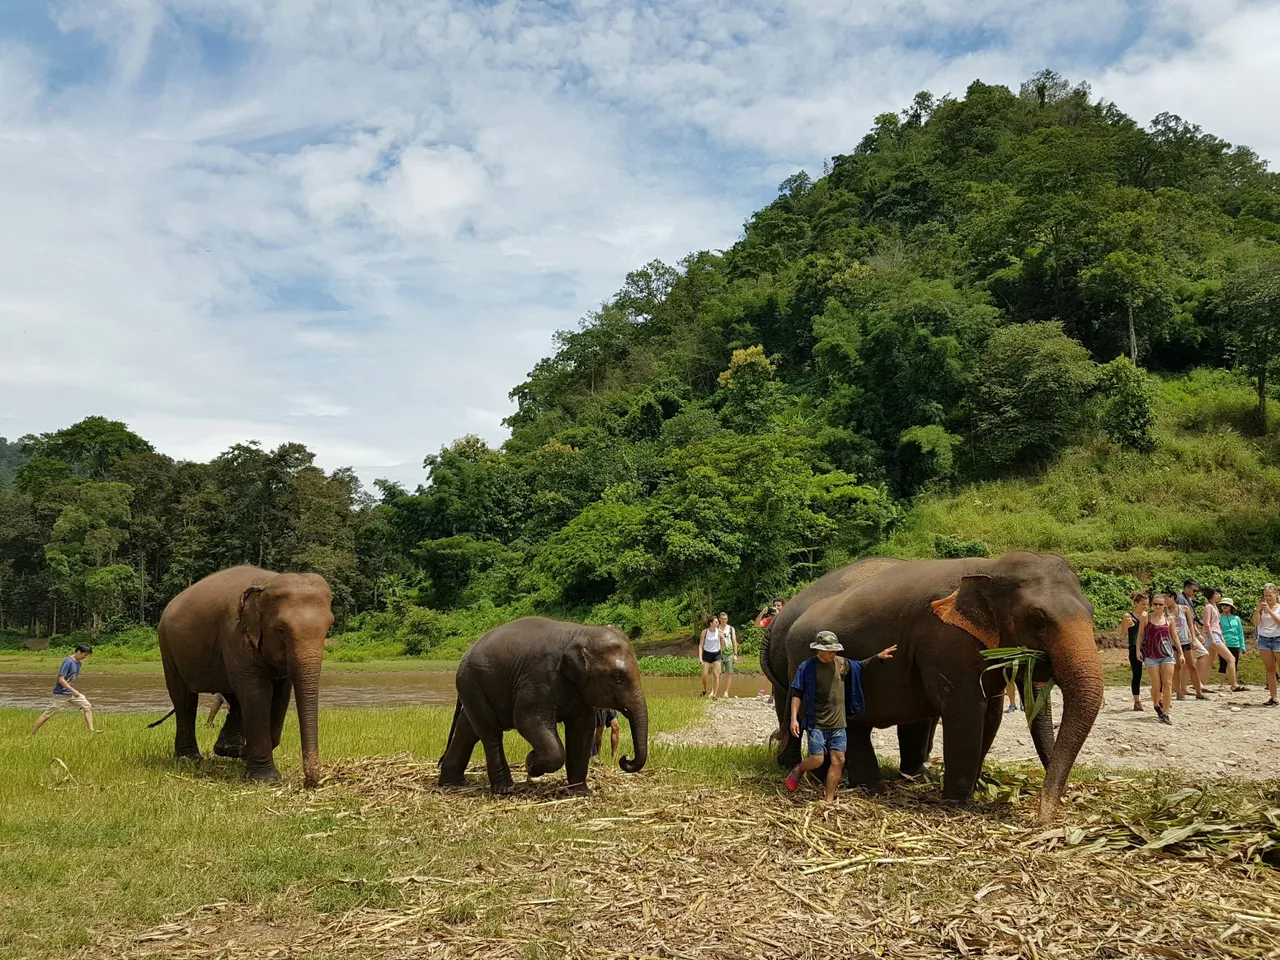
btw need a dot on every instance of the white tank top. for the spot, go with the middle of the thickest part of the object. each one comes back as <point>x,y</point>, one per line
<point>712,643</point>
<point>1267,626</point>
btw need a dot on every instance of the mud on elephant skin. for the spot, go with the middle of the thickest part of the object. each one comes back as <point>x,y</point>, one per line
<point>941,613</point>
<point>257,637</point>
<point>529,675</point>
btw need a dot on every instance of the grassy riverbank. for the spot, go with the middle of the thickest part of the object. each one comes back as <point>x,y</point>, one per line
<point>109,848</point>
<point>107,660</point>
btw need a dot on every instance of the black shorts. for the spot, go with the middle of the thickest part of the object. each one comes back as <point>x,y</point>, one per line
<point>1235,654</point>
<point>711,657</point>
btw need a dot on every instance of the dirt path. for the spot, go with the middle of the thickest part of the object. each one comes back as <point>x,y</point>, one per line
<point>1230,735</point>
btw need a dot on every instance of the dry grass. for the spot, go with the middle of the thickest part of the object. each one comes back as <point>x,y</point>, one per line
<point>675,864</point>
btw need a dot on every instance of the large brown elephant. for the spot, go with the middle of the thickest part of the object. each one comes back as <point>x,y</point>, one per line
<point>254,636</point>
<point>529,675</point>
<point>941,613</point>
<point>915,740</point>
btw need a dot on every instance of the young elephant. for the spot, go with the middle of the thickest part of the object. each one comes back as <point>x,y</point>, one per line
<point>531,674</point>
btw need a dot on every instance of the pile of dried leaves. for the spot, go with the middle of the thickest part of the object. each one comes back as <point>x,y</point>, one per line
<point>664,865</point>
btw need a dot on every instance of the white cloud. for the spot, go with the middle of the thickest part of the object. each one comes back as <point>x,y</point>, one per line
<point>356,223</point>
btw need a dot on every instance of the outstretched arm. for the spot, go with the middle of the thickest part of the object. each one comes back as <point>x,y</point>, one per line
<point>885,654</point>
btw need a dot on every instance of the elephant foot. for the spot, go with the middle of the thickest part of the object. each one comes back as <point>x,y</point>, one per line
<point>192,754</point>
<point>452,780</point>
<point>502,787</point>
<point>915,776</point>
<point>262,773</point>
<point>232,751</point>
<point>579,789</point>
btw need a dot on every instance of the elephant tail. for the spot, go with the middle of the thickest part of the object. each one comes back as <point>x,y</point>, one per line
<point>765,666</point>
<point>453,727</point>
<point>161,720</point>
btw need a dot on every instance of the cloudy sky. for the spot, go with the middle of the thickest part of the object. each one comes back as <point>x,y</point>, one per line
<point>357,223</point>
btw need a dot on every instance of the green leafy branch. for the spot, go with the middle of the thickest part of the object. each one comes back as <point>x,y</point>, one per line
<point>1011,660</point>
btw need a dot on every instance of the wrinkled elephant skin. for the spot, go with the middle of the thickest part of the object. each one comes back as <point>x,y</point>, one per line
<point>529,675</point>
<point>256,637</point>
<point>941,613</point>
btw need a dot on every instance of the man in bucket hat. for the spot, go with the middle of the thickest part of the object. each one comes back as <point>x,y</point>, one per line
<point>829,688</point>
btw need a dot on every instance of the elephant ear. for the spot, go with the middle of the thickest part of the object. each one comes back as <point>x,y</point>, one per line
<point>249,616</point>
<point>972,608</point>
<point>574,662</point>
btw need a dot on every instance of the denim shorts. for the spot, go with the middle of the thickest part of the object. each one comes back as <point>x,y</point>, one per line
<point>1269,643</point>
<point>1156,661</point>
<point>822,740</point>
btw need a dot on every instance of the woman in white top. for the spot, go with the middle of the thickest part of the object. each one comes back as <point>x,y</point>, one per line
<point>1266,621</point>
<point>709,651</point>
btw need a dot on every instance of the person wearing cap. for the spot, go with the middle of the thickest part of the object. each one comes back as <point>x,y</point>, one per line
<point>829,688</point>
<point>1233,635</point>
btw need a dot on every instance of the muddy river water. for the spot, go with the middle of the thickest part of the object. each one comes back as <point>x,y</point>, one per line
<point>127,691</point>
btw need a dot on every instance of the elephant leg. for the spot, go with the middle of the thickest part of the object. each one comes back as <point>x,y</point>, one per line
<point>991,723</point>
<point>185,704</point>
<point>962,749</point>
<point>280,690</point>
<point>462,743</point>
<point>255,708</point>
<point>789,751</point>
<point>915,744</point>
<point>578,734</point>
<point>484,721</point>
<point>860,763</point>
<point>231,738</point>
<point>548,753</point>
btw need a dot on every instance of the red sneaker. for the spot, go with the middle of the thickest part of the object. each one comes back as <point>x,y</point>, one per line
<point>793,784</point>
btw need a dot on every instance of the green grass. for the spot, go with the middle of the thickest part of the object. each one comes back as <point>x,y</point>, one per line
<point>1206,495</point>
<point>110,831</point>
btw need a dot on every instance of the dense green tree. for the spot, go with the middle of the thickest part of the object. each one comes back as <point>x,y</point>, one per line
<point>925,312</point>
<point>1253,300</point>
<point>1029,394</point>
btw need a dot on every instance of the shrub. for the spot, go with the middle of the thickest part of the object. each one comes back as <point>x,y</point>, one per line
<point>669,666</point>
<point>953,548</point>
<point>1128,416</point>
<point>1029,392</point>
<point>1110,595</point>
<point>422,629</point>
<point>1242,584</point>
<point>750,638</point>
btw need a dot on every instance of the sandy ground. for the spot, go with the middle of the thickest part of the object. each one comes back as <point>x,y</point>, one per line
<point>1230,735</point>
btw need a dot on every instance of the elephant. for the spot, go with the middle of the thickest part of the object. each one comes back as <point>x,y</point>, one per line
<point>256,636</point>
<point>915,740</point>
<point>940,613</point>
<point>530,674</point>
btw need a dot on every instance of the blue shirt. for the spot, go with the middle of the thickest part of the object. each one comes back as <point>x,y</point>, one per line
<point>69,671</point>
<point>805,685</point>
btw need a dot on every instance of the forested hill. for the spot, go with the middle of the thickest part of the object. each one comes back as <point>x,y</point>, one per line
<point>933,323</point>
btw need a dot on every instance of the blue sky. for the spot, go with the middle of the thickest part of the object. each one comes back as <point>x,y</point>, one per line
<point>357,224</point>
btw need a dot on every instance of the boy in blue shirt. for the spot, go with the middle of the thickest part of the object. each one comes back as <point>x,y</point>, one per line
<point>65,695</point>
<point>829,688</point>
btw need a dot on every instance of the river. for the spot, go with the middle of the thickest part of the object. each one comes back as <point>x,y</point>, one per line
<point>146,691</point>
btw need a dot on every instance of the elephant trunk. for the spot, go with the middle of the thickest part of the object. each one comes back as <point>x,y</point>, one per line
<point>1042,725</point>
<point>638,717</point>
<point>1076,668</point>
<point>305,673</point>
